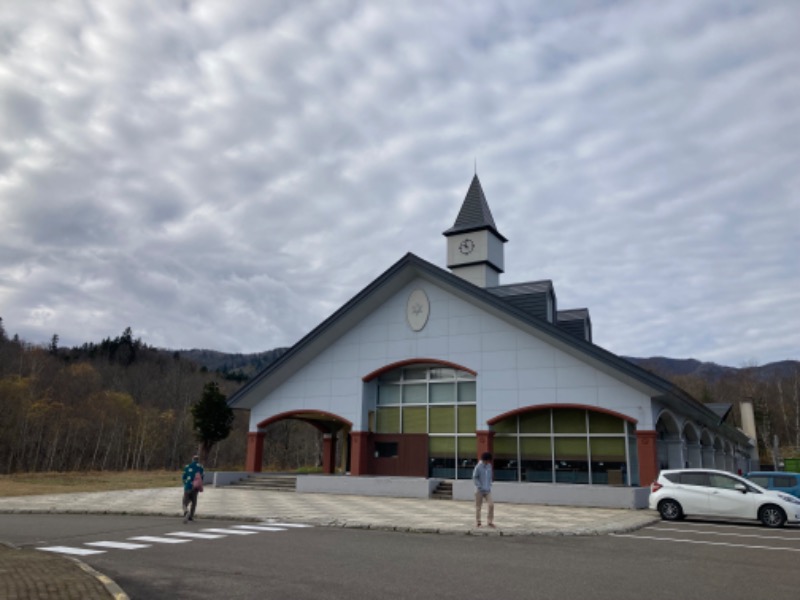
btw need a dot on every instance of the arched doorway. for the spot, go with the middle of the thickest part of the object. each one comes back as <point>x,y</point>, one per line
<point>333,429</point>
<point>693,450</point>
<point>669,445</point>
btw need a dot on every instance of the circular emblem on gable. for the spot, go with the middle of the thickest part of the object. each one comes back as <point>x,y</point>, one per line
<point>417,310</point>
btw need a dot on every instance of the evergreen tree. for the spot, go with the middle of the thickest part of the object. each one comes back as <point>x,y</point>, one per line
<point>213,419</point>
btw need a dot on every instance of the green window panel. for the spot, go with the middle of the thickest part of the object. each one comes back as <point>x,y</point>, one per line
<point>415,419</point>
<point>608,449</point>
<point>389,394</point>
<point>570,448</point>
<point>535,422</point>
<point>443,393</point>
<point>467,416</point>
<point>605,423</point>
<point>389,420</point>
<point>506,426</point>
<point>536,448</point>
<point>467,393</point>
<point>442,447</point>
<point>569,420</point>
<point>505,447</point>
<point>442,419</point>
<point>390,376</point>
<point>467,447</point>
<point>415,394</point>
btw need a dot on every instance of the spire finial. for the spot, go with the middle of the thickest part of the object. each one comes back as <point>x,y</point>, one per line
<point>476,165</point>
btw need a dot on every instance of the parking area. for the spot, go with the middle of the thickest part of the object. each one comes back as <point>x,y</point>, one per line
<point>730,534</point>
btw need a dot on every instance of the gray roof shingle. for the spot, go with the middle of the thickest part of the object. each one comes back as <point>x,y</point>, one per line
<point>474,213</point>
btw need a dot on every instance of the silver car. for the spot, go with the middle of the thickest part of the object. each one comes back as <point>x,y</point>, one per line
<point>678,493</point>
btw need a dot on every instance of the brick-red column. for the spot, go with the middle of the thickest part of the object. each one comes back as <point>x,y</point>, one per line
<point>359,453</point>
<point>485,442</point>
<point>255,451</point>
<point>329,453</point>
<point>648,456</point>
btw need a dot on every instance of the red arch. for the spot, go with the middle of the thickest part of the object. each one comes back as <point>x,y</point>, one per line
<point>415,361</point>
<point>300,414</point>
<point>535,407</point>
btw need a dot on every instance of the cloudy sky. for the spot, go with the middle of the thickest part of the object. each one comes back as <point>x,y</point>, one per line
<point>225,174</point>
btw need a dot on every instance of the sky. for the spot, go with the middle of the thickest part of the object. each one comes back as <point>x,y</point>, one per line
<point>226,174</point>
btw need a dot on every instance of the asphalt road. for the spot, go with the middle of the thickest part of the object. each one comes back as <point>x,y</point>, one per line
<point>688,559</point>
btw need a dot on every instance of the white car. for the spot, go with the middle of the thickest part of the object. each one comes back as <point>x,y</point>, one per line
<point>705,492</point>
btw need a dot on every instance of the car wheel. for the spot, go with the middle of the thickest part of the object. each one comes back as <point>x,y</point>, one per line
<point>772,516</point>
<point>670,510</point>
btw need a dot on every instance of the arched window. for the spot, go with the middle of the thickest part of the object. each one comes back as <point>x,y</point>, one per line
<point>565,445</point>
<point>438,401</point>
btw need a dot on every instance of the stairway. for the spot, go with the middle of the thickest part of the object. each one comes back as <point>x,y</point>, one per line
<point>443,491</point>
<point>269,483</point>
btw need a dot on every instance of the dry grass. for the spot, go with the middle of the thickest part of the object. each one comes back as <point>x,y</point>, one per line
<point>34,484</point>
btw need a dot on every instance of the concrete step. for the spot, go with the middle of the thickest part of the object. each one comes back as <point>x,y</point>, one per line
<point>274,483</point>
<point>443,491</point>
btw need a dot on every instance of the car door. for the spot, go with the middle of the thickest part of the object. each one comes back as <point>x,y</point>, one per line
<point>725,500</point>
<point>693,492</point>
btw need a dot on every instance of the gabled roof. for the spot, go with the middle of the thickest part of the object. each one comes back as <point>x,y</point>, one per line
<point>527,287</point>
<point>474,213</point>
<point>411,267</point>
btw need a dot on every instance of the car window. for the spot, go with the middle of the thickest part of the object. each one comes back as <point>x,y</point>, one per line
<point>785,481</point>
<point>694,478</point>
<point>722,481</point>
<point>762,480</point>
<point>673,477</point>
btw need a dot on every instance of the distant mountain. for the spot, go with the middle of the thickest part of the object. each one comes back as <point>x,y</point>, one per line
<point>246,364</point>
<point>712,372</point>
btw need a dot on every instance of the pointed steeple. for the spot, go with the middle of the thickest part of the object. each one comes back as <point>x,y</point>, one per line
<point>474,246</point>
<point>475,213</point>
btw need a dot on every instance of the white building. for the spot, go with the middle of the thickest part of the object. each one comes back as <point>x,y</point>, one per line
<point>425,369</point>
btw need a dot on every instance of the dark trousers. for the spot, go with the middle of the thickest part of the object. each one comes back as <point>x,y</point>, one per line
<point>190,497</point>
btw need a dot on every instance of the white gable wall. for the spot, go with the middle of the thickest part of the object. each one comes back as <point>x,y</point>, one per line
<point>515,369</point>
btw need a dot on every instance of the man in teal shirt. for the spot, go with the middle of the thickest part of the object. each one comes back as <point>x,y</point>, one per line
<point>189,491</point>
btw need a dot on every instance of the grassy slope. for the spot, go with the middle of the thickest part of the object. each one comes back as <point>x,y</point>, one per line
<point>32,484</point>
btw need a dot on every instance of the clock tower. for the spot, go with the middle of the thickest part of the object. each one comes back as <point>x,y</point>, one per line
<point>474,246</point>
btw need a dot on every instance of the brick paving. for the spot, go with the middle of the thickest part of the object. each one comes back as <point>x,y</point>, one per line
<point>32,570</point>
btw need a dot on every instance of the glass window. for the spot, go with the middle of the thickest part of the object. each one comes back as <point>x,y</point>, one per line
<point>466,419</point>
<point>443,373</point>
<point>608,449</point>
<point>415,373</point>
<point>571,464</point>
<point>761,480</point>
<point>390,376</point>
<point>389,420</point>
<point>506,426</point>
<point>389,394</point>
<point>415,394</point>
<point>415,419</point>
<point>442,419</point>
<point>569,420</point>
<point>466,392</point>
<point>386,449</point>
<point>722,481</point>
<point>442,447</point>
<point>535,422</point>
<point>694,479</point>
<point>605,423</point>
<point>443,393</point>
<point>467,448</point>
<point>785,481</point>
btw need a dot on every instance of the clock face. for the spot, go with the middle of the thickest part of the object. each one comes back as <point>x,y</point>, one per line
<point>466,246</point>
<point>417,310</point>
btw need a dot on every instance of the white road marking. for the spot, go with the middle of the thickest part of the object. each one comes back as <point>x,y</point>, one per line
<point>158,540</point>
<point>199,536</point>
<point>231,531</point>
<point>68,550</point>
<point>744,535</point>
<point>295,525</point>
<point>702,543</point>
<point>260,527</point>
<point>118,545</point>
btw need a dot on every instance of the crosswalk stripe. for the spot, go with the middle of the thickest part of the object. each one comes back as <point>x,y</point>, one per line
<point>292,525</point>
<point>260,527</point>
<point>69,550</point>
<point>231,531</point>
<point>118,545</point>
<point>702,543</point>
<point>199,536</point>
<point>158,540</point>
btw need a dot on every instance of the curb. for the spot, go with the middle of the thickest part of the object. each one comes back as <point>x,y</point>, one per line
<point>110,585</point>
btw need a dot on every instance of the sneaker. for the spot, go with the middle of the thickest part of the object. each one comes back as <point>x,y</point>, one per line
<point>478,524</point>
<point>492,525</point>
<point>185,516</point>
